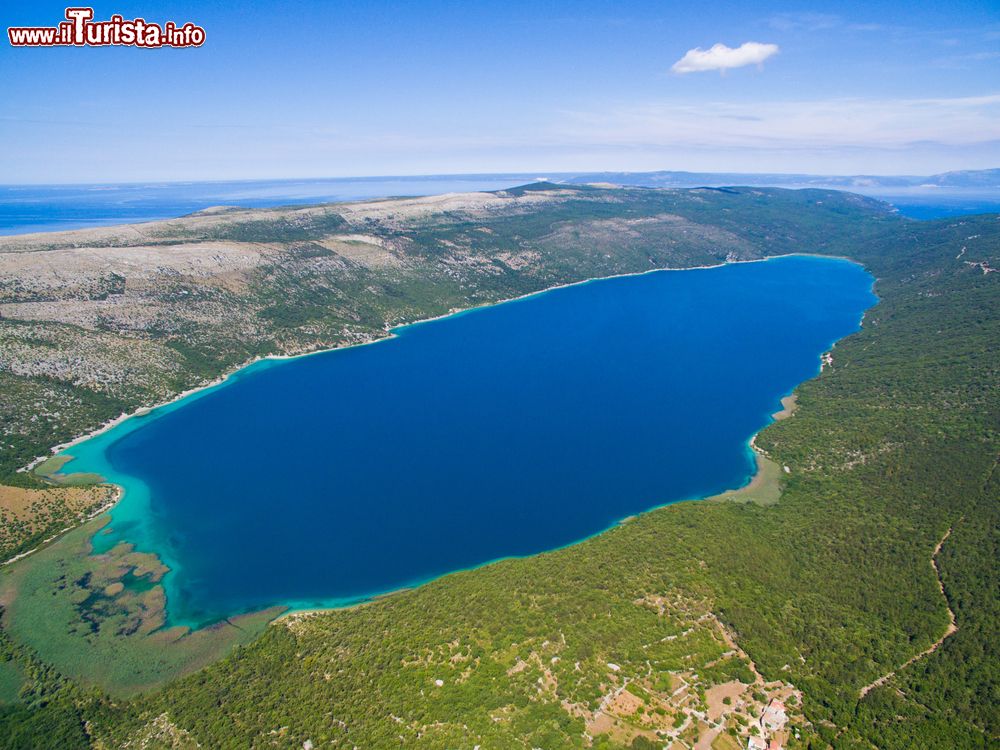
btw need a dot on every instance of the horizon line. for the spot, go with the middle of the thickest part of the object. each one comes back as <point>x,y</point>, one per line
<point>471,175</point>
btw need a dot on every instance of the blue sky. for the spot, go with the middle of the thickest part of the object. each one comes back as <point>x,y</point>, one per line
<point>323,89</point>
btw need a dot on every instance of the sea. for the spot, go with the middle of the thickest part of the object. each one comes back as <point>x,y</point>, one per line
<point>51,208</point>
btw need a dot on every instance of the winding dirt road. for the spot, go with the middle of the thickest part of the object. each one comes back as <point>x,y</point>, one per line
<point>952,627</point>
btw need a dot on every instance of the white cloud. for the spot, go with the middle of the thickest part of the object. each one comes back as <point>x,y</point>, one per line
<point>721,57</point>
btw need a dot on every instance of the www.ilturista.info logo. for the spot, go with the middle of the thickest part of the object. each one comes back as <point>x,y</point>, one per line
<point>80,30</point>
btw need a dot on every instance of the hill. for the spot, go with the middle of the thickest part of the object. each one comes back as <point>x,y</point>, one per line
<point>836,599</point>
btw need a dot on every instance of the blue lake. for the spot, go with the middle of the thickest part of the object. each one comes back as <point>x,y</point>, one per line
<point>502,431</point>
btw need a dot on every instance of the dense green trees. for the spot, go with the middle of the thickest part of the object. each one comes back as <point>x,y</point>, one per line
<point>828,589</point>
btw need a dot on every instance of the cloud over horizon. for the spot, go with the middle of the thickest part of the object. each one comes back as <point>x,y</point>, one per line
<point>722,58</point>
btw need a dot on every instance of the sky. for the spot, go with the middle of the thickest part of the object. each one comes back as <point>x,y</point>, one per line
<point>328,89</point>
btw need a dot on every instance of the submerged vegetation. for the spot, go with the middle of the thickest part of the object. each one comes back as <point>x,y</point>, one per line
<point>100,618</point>
<point>637,637</point>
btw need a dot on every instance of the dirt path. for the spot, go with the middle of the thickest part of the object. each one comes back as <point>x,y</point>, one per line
<point>952,627</point>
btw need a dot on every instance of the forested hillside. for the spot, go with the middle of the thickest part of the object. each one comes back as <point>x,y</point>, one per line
<point>891,452</point>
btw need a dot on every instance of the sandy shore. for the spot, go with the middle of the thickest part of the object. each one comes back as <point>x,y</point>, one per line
<point>766,480</point>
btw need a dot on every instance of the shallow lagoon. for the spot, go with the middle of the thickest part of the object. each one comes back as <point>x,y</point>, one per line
<point>502,431</point>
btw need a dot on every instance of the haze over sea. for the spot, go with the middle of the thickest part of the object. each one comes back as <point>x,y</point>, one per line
<point>506,430</point>
<point>53,208</point>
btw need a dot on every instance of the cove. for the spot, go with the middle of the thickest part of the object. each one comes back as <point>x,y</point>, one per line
<point>502,431</point>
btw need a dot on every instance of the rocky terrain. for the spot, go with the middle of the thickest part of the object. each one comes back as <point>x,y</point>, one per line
<point>809,617</point>
<point>97,322</point>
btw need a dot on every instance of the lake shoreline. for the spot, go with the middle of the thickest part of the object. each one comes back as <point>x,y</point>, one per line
<point>392,331</point>
<point>144,411</point>
<point>788,404</point>
<point>116,494</point>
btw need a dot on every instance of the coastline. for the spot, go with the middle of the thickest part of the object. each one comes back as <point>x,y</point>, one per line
<point>789,404</point>
<point>313,609</point>
<point>144,411</point>
<point>391,331</point>
<point>766,479</point>
<point>117,492</point>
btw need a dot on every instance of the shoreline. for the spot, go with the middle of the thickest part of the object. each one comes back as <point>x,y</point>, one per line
<point>789,404</point>
<point>117,493</point>
<point>391,332</point>
<point>315,609</point>
<point>144,411</point>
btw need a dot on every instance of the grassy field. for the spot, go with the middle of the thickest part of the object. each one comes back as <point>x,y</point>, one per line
<point>763,489</point>
<point>29,516</point>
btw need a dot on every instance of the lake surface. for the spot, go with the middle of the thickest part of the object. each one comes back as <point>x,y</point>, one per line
<point>502,431</point>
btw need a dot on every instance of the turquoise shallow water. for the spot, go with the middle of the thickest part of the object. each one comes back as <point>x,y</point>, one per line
<point>502,431</point>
